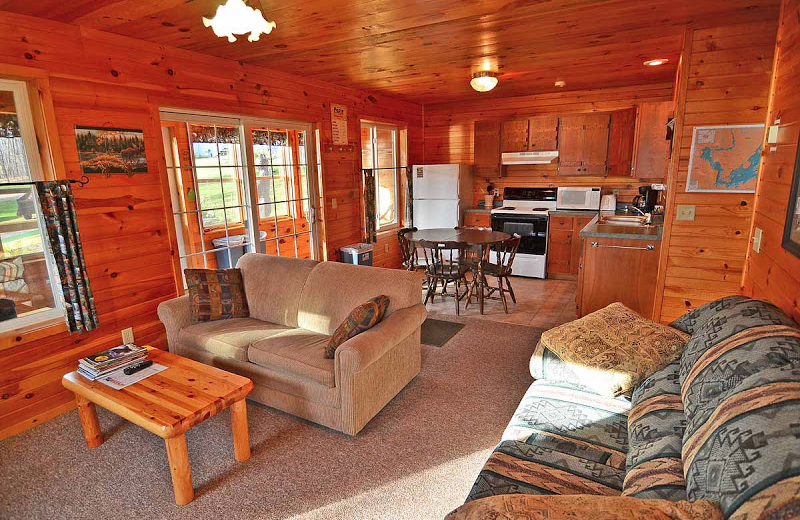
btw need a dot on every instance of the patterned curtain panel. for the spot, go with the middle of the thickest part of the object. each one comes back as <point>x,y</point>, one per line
<point>370,211</point>
<point>409,197</point>
<point>58,209</point>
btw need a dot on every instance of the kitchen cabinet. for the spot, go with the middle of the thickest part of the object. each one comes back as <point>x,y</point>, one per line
<point>514,136</point>
<point>563,246</point>
<point>487,148</point>
<point>651,158</point>
<point>617,270</point>
<point>477,219</point>
<point>543,133</point>
<point>620,142</point>
<point>583,145</point>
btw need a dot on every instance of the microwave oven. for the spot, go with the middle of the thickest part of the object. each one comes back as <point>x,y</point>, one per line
<point>578,198</point>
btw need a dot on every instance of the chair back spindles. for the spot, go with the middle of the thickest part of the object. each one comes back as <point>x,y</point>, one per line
<point>407,249</point>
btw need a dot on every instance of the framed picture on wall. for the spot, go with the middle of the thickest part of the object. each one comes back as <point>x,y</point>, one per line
<point>791,230</point>
<point>725,158</point>
<point>110,150</point>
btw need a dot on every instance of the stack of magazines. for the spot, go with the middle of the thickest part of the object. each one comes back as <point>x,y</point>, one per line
<point>111,361</point>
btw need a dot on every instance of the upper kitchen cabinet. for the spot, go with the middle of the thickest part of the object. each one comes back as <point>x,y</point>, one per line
<point>651,159</point>
<point>514,136</point>
<point>583,144</point>
<point>543,133</point>
<point>620,142</point>
<point>487,148</point>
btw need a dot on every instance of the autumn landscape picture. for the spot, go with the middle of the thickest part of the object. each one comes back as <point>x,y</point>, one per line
<point>111,150</point>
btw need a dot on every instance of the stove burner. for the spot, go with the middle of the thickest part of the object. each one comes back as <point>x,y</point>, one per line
<point>540,209</point>
<point>509,208</point>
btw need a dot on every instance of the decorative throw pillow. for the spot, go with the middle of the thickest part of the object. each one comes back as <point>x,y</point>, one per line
<point>611,350</point>
<point>362,318</point>
<point>216,294</point>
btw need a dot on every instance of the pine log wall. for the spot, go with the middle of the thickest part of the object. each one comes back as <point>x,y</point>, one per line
<point>774,273</point>
<point>724,79</point>
<point>99,79</point>
<point>449,130</point>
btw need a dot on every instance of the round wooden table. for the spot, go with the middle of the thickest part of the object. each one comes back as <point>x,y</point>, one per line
<point>470,237</point>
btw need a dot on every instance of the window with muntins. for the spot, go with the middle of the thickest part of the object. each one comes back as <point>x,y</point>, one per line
<point>379,150</point>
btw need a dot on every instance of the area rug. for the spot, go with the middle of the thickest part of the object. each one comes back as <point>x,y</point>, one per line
<point>438,332</point>
<point>417,459</point>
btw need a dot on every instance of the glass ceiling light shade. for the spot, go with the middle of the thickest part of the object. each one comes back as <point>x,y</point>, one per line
<point>236,17</point>
<point>483,81</point>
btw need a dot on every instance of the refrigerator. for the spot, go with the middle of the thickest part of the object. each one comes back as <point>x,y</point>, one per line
<point>441,193</point>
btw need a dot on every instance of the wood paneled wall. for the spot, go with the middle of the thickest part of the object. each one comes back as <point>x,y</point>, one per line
<point>774,273</point>
<point>100,79</point>
<point>724,80</point>
<point>449,131</point>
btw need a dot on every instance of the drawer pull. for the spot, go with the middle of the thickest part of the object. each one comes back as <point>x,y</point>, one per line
<point>648,248</point>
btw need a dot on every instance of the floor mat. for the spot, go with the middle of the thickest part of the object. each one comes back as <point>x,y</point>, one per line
<point>437,332</point>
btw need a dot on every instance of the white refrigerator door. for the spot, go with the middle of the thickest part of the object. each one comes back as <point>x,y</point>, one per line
<point>436,213</point>
<point>436,181</point>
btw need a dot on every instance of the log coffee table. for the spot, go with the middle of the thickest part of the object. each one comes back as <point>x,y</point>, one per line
<point>168,404</point>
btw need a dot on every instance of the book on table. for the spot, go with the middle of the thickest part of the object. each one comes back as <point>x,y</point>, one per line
<point>111,361</point>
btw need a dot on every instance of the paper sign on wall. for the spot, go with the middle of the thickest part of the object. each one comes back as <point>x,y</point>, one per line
<point>339,124</point>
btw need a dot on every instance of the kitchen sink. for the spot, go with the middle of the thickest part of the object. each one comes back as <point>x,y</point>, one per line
<point>623,220</point>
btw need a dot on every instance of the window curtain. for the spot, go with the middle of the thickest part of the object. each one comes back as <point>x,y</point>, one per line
<point>370,210</point>
<point>409,216</point>
<point>58,210</point>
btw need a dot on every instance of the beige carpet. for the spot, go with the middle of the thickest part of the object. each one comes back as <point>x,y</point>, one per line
<point>416,460</point>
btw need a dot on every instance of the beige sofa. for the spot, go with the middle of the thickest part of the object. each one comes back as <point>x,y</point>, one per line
<point>295,305</point>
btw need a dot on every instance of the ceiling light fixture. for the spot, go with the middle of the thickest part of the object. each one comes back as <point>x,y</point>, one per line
<point>236,17</point>
<point>483,81</point>
<point>656,62</point>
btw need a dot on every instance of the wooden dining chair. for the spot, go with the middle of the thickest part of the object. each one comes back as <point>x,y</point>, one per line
<point>443,265</point>
<point>501,269</point>
<point>407,249</point>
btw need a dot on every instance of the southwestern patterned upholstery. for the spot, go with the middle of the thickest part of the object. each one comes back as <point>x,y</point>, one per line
<point>656,424</point>
<point>216,294</point>
<point>720,424</point>
<point>362,318</point>
<point>613,349</point>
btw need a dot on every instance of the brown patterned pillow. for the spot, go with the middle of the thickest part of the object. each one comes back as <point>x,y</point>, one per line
<point>613,349</point>
<point>216,294</point>
<point>362,318</point>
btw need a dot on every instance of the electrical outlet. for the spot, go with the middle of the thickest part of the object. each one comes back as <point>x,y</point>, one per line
<point>757,234</point>
<point>127,335</point>
<point>334,205</point>
<point>686,212</point>
<point>385,248</point>
<point>616,192</point>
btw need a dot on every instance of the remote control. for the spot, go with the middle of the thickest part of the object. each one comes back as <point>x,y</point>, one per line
<point>135,368</point>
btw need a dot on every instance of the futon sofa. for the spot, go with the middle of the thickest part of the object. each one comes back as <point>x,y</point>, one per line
<point>722,423</point>
<point>295,306</point>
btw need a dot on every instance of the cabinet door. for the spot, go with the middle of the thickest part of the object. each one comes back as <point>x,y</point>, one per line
<point>620,142</point>
<point>487,148</point>
<point>477,219</point>
<point>580,223</point>
<point>559,251</point>
<point>651,158</point>
<point>595,145</point>
<point>543,133</point>
<point>515,136</point>
<point>570,145</point>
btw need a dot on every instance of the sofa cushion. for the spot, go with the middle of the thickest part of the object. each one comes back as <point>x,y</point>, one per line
<point>698,317</point>
<point>561,412</point>
<point>613,349</point>
<point>740,385</point>
<point>273,285</point>
<point>360,319</point>
<point>216,294</point>
<point>520,467</point>
<point>227,338</point>
<point>334,289</point>
<point>297,352</point>
<point>656,424</point>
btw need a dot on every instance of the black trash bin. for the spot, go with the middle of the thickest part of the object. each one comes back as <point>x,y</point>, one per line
<point>236,243</point>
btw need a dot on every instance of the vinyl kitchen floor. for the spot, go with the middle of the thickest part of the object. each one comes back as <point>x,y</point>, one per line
<point>540,303</point>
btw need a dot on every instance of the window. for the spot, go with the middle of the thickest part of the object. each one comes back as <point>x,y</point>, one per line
<point>379,150</point>
<point>29,287</point>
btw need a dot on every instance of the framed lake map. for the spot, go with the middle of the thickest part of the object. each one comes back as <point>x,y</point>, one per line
<point>791,230</point>
<point>725,158</point>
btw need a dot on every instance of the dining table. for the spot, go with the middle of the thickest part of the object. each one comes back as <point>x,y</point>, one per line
<point>467,236</point>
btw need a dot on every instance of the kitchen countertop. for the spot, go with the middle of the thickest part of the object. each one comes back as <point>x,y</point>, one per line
<point>477,210</point>
<point>595,230</point>
<point>574,212</point>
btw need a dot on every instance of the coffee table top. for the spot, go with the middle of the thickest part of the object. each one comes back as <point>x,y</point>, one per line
<point>170,402</point>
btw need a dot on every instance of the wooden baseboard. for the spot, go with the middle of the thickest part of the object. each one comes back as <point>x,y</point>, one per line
<point>559,276</point>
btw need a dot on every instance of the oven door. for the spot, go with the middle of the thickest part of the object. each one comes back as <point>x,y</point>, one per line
<point>532,229</point>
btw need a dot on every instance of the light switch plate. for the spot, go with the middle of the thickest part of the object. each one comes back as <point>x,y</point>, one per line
<point>385,248</point>
<point>686,212</point>
<point>757,234</point>
<point>334,205</point>
<point>127,335</point>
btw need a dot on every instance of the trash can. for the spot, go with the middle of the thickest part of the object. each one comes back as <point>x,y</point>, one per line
<point>356,254</point>
<point>236,245</point>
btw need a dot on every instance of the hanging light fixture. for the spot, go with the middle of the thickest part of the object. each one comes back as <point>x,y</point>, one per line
<point>236,17</point>
<point>483,81</point>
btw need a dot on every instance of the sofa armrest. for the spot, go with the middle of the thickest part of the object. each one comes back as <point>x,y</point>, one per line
<point>361,351</point>
<point>175,314</point>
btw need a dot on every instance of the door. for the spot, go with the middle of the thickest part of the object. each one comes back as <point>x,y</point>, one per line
<point>514,136</point>
<point>595,145</point>
<point>652,147</point>
<point>620,145</point>
<point>436,181</point>
<point>570,145</point>
<point>436,213</point>
<point>543,133</point>
<point>583,145</point>
<point>487,148</point>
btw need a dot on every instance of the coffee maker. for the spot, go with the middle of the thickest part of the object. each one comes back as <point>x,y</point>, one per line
<point>647,199</point>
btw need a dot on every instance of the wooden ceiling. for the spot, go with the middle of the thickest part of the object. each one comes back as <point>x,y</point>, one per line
<point>425,50</point>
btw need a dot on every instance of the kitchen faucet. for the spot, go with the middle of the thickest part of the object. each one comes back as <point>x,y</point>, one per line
<point>648,216</point>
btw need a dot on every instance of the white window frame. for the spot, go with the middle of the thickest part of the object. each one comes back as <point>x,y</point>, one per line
<point>28,132</point>
<point>373,134</point>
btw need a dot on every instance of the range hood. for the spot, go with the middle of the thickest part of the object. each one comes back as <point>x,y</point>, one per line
<point>529,157</point>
